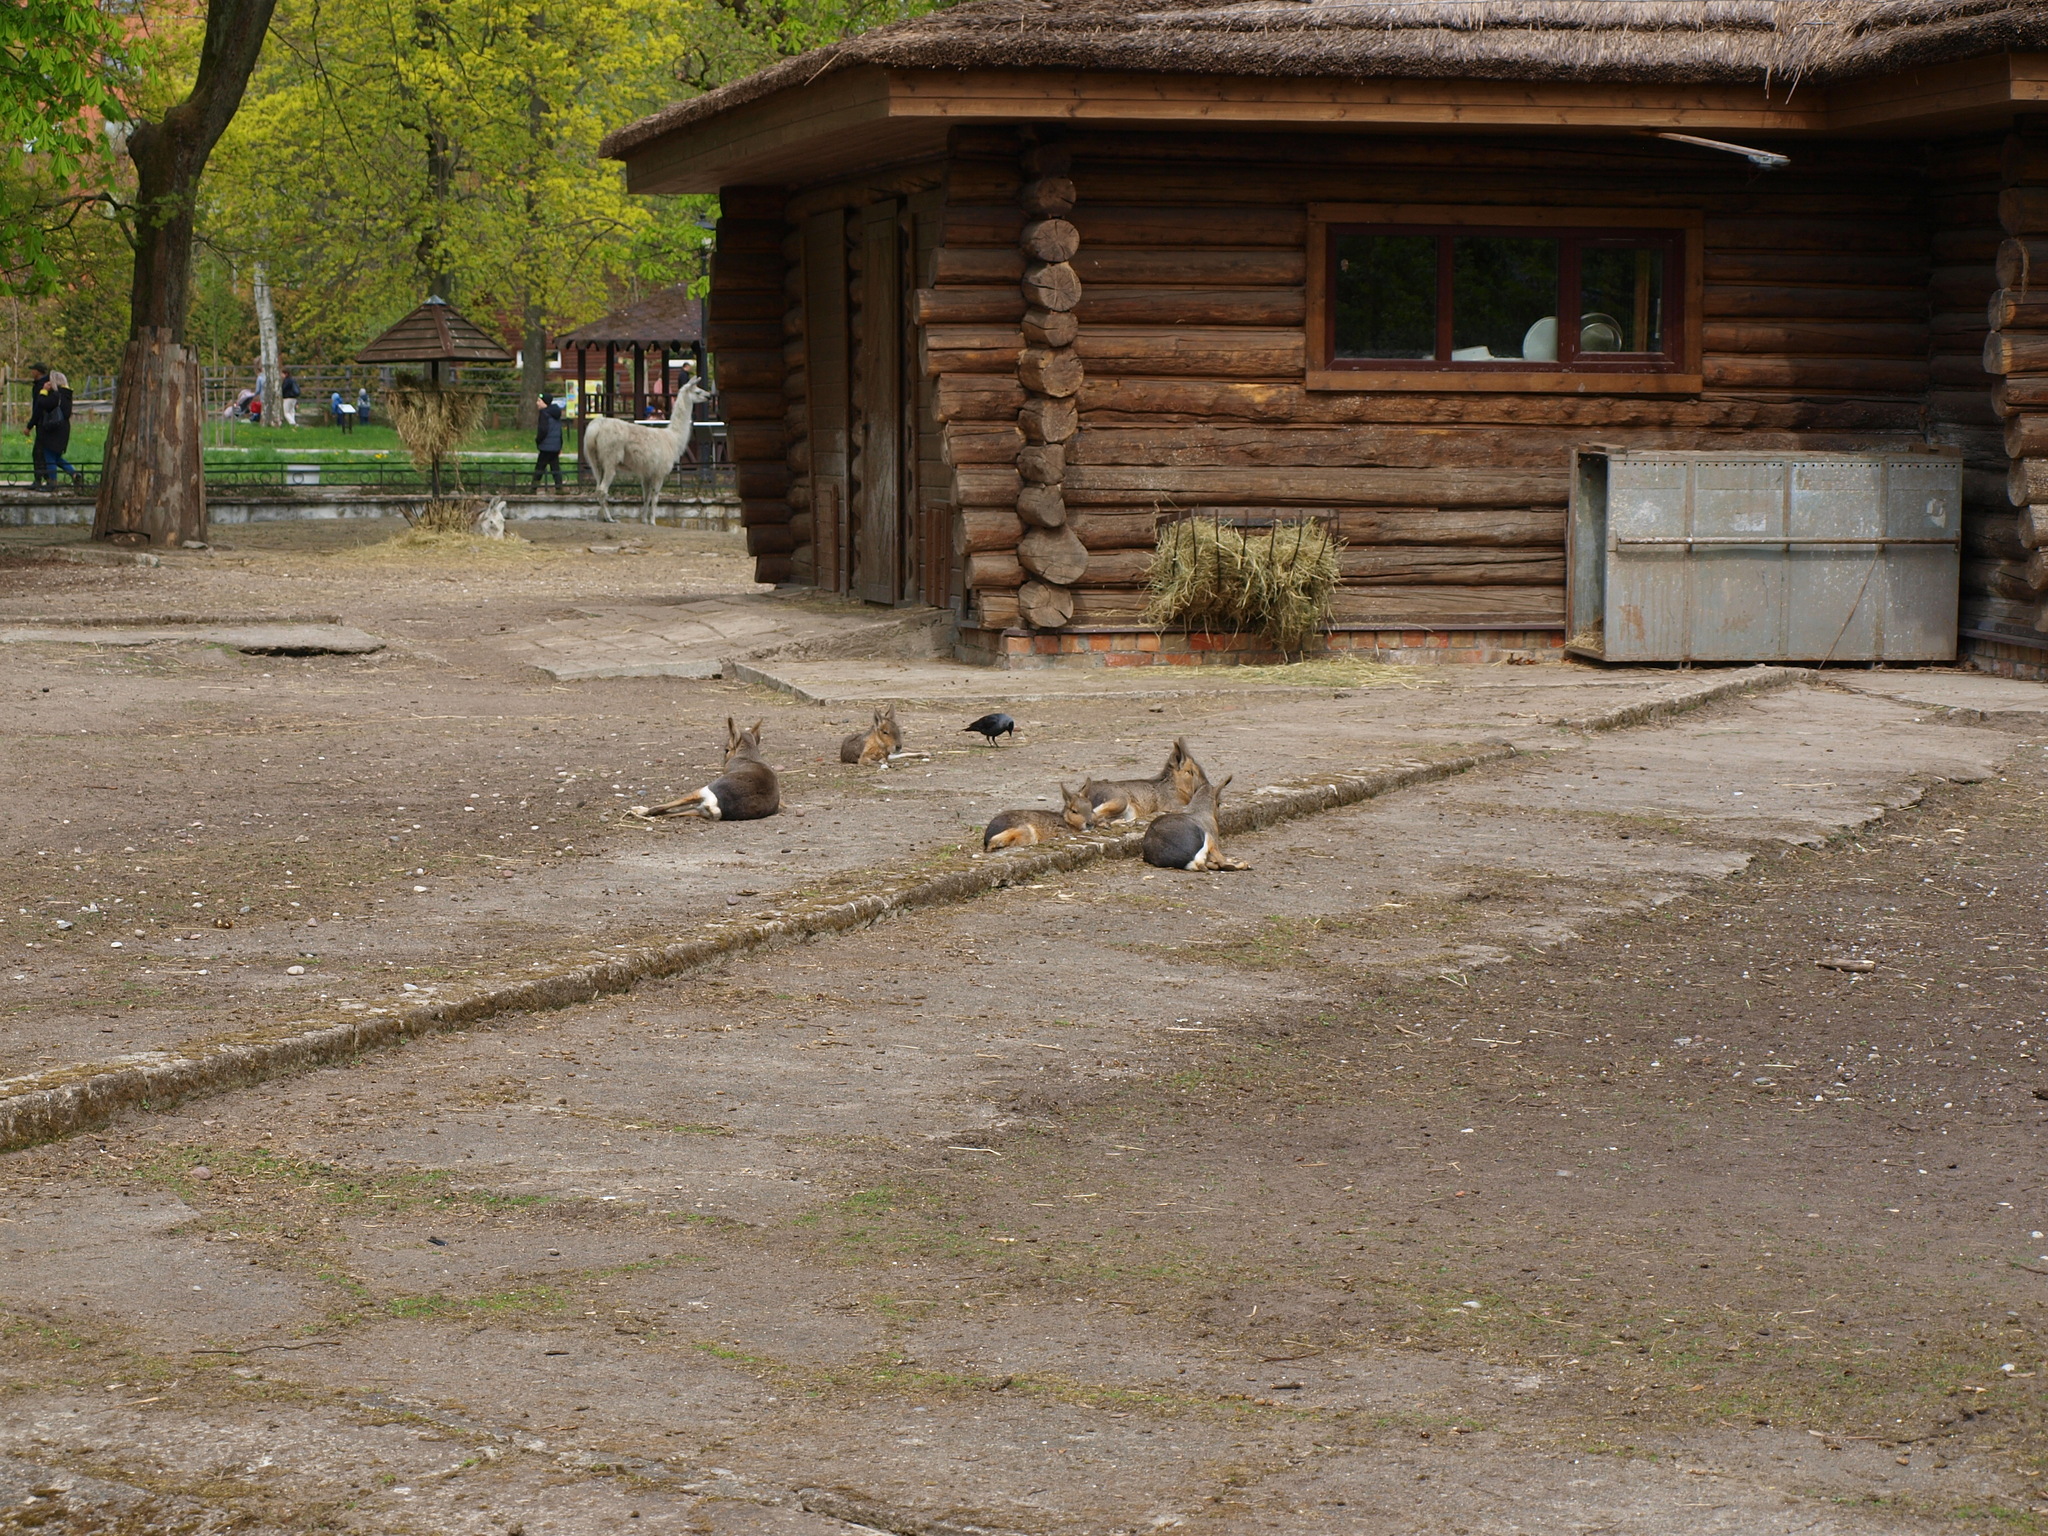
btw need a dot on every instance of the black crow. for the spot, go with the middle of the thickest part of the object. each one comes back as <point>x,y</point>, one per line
<point>993,726</point>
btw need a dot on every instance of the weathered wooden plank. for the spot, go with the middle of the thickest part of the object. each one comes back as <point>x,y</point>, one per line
<point>987,485</point>
<point>976,397</point>
<point>1102,305</point>
<point>1407,565</point>
<point>1183,268</point>
<point>752,404</point>
<point>1817,338</point>
<point>1793,231</point>
<point>1338,446</point>
<point>970,306</point>
<point>1769,424</point>
<point>951,349</point>
<point>1842,374</point>
<point>1761,301</point>
<point>1192,351</point>
<point>750,370</point>
<point>1819,268</point>
<point>981,442</point>
<point>976,267</point>
<point>1114,485</point>
<point>1448,607</point>
<point>1505,527</point>
<point>1202,224</point>
<point>743,335</point>
<point>984,224</point>
<point>2016,352</point>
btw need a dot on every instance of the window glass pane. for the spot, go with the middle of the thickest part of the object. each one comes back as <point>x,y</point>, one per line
<point>1621,299</point>
<point>1503,298</point>
<point>1384,293</point>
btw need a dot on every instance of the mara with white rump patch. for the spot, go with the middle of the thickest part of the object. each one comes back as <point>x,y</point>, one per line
<point>1189,839</point>
<point>746,791</point>
<point>1021,829</point>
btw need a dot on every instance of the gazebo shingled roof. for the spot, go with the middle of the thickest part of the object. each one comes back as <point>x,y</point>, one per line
<point>1636,41</point>
<point>668,316</point>
<point>436,332</point>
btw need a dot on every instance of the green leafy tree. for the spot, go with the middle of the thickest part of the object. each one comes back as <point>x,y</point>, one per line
<point>60,61</point>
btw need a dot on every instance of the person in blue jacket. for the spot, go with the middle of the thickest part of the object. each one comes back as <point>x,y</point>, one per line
<point>547,441</point>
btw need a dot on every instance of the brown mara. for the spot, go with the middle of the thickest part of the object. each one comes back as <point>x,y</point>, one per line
<point>1000,292</point>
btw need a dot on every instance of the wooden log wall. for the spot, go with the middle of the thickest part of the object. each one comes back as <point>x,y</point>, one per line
<point>2005,569</point>
<point>1186,356</point>
<point>744,322</point>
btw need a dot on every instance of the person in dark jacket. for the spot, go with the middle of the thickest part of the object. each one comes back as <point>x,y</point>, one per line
<point>547,442</point>
<point>49,423</point>
<point>288,392</point>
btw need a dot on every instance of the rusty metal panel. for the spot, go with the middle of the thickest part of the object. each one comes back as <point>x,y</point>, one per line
<point>1689,556</point>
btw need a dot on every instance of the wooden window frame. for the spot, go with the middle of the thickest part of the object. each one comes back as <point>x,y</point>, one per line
<point>1678,377</point>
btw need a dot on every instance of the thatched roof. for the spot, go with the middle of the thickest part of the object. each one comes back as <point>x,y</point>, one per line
<point>662,318</point>
<point>436,332</point>
<point>1645,41</point>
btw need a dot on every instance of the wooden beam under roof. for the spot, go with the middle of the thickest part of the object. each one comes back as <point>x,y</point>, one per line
<point>868,116</point>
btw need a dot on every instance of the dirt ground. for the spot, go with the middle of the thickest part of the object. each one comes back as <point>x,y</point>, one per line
<point>1511,1154</point>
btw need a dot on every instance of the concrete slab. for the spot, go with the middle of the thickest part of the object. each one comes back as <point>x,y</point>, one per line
<point>257,639</point>
<point>701,636</point>
<point>1968,693</point>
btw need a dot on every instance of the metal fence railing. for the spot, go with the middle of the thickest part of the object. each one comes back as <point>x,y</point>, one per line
<point>472,476</point>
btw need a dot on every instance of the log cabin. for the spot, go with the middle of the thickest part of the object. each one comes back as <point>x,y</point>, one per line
<point>999,289</point>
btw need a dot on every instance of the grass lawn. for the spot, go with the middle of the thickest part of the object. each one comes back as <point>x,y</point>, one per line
<point>238,443</point>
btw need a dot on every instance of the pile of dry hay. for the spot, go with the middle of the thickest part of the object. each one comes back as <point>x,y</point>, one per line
<point>445,514</point>
<point>1277,583</point>
<point>432,422</point>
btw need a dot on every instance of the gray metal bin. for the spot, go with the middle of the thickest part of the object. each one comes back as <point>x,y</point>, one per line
<point>1686,556</point>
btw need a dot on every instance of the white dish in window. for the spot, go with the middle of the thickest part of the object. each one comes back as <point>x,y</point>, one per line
<point>1539,342</point>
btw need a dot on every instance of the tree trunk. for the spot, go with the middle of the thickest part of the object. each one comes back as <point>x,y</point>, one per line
<point>266,341</point>
<point>152,489</point>
<point>533,366</point>
<point>158,475</point>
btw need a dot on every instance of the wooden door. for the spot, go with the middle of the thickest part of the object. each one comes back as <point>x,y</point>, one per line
<point>879,426</point>
<point>828,378</point>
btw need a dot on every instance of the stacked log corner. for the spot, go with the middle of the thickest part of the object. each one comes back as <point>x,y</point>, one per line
<point>745,319</point>
<point>1049,552</point>
<point>2006,571</point>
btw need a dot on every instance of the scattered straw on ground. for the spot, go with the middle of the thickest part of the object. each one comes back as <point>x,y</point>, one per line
<point>1332,672</point>
<point>426,543</point>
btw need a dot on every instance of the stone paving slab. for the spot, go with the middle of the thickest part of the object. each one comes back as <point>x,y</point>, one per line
<point>255,638</point>
<point>698,637</point>
<point>1973,693</point>
<point>952,684</point>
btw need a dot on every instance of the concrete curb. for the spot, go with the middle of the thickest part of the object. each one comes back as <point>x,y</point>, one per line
<point>37,1109</point>
<point>1679,701</point>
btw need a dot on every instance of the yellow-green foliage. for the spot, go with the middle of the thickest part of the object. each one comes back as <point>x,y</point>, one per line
<point>1276,583</point>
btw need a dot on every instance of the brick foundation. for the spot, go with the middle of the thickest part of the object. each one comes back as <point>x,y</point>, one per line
<point>2007,658</point>
<point>1021,650</point>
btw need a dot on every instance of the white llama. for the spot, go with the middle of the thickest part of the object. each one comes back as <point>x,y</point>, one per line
<point>642,450</point>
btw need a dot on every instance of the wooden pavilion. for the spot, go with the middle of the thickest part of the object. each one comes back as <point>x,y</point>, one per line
<point>666,327</point>
<point>998,289</point>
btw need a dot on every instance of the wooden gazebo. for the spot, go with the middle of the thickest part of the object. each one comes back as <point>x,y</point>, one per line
<point>666,328</point>
<point>435,333</point>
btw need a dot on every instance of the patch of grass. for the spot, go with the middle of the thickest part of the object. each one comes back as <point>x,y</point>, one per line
<point>530,1298</point>
<point>241,1176</point>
